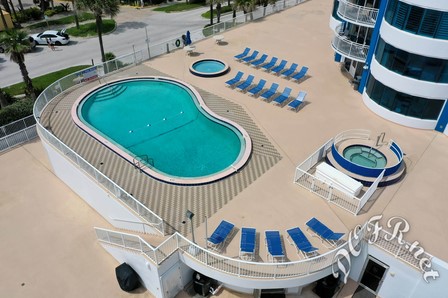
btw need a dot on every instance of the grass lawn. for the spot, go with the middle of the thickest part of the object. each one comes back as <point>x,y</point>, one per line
<point>178,7</point>
<point>44,81</point>
<point>224,9</point>
<point>89,29</point>
<point>85,16</point>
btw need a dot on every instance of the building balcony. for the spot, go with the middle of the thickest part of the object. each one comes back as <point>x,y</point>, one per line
<point>360,15</point>
<point>350,46</point>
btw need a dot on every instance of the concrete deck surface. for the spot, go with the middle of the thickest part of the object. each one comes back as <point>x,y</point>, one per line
<point>33,199</point>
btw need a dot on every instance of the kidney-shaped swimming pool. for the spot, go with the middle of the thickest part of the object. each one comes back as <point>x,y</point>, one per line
<point>163,126</point>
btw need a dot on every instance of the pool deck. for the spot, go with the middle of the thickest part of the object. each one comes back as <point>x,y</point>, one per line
<point>50,246</point>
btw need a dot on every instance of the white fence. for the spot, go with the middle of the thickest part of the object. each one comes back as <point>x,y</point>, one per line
<point>358,14</point>
<point>326,190</point>
<point>17,132</point>
<point>232,266</point>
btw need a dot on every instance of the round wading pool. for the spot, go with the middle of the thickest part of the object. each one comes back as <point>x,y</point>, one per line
<point>365,156</point>
<point>209,68</point>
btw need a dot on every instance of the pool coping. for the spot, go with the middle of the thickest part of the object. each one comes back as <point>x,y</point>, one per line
<point>212,74</point>
<point>233,168</point>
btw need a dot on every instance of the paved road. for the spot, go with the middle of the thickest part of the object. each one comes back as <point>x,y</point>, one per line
<point>130,31</point>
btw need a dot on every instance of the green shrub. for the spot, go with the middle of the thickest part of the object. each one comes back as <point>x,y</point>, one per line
<point>109,56</point>
<point>33,13</point>
<point>16,111</point>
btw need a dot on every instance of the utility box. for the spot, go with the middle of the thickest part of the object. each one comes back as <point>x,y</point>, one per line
<point>8,21</point>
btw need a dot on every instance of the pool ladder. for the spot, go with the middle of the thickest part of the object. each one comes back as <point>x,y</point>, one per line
<point>380,140</point>
<point>141,161</point>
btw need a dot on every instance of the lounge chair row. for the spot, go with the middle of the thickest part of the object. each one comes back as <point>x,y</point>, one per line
<point>266,94</point>
<point>271,66</point>
<point>275,251</point>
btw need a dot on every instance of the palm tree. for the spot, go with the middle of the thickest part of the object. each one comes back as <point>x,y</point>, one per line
<point>75,14</point>
<point>265,3</point>
<point>218,10</point>
<point>100,8</point>
<point>244,5</point>
<point>16,44</point>
<point>211,11</point>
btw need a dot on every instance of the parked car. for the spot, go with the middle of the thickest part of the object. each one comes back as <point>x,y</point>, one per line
<point>57,37</point>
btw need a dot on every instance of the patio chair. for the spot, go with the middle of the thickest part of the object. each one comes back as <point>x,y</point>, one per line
<point>269,93</point>
<point>260,61</point>
<point>246,83</point>
<point>300,74</point>
<point>274,246</point>
<point>217,240</point>
<point>323,231</point>
<point>279,68</point>
<point>282,98</point>
<point>247,243</point>
<point>243,54</point>
<point>295,104</point>
<point>255,90</point>
<point>303,245</point>
<point>251,57</point>
<point>290,70</point>
<point>270,64</point>
<point>235,80</point>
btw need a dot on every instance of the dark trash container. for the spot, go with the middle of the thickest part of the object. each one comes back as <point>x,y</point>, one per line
<point>201,284</point>
<point>127,278</point>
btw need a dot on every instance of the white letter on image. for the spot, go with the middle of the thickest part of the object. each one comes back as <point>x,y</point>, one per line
<point>397,229</point>
<point>376,228</point>
<point>344,253</point>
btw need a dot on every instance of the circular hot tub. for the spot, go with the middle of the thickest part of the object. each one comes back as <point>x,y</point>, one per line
<point>209,68</point>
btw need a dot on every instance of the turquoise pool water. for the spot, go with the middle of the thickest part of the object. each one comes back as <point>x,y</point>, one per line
<point>208,66</point>
<point>365,156</point>
<point>160,123</point>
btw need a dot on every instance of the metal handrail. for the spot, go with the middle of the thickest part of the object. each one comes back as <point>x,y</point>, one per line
<point>344,46</point>
<point>357,14</point>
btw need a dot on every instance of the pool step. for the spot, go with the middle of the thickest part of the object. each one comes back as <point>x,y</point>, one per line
<point>110,92</point>
<point>366,181</point>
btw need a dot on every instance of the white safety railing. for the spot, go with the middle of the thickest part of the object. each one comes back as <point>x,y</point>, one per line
<point>343,45</point>
<point>403,250</point>
<point>358,14</point>
<point>17,132</point>
<point>325,189</point>
<point>231,266</point>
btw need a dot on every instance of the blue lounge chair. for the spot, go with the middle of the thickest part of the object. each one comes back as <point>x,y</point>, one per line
<point>251,57</point>
<point>255,90</point>
<point>282,98</point>
<point>295,104</point>
<point>246,83</point>
<point>219,236</point>
<point>260,61</point>
<point>300,74</point>
<point>290,70</point>
<point>323,231</point>
<point>274,245</point>
<point>279,68</point>
<point>269,93</point>
<point>247,243</point>
<point>235,80</point>
<point>302,243</point>
<point>270,64</point>
<point>243,54</point>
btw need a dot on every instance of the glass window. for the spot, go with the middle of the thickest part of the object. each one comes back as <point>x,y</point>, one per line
<point>426,22</point>
<point>402,103</point>
<point>411,65</point>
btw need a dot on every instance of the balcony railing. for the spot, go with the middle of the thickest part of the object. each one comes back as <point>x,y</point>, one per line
<point>360,15</point>
<point>342,44</point>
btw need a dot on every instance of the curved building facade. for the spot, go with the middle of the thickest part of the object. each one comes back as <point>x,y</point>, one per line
<point>404,74</point>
